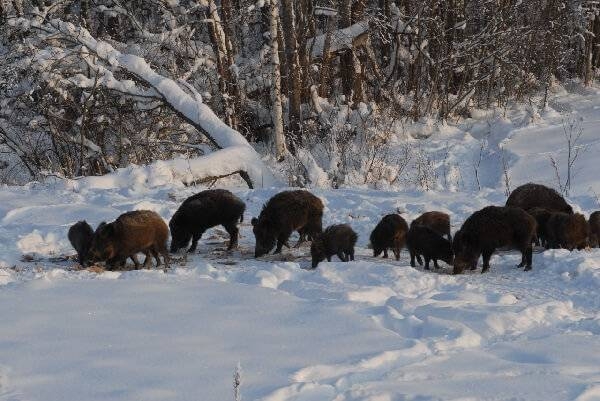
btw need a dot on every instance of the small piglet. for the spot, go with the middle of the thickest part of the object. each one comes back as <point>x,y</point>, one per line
<point>389,233</point>
<point>422,240</point>
<point>81,235</point>
<point>337,240</point>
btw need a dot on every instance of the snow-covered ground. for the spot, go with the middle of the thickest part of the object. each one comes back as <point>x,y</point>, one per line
<point>372,329</point>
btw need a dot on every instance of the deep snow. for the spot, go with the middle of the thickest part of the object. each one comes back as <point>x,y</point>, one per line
<point>366,330</point>
<point>372,329</point>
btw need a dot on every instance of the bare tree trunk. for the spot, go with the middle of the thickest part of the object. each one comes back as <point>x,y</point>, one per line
<point>346,64</point>
<point>277,113</point>
<point>351,69</point>
<point>305,18</point>
<point>589,52</point>
<point>224,58</point>
<point>293,73</point>
<point>326,73</point>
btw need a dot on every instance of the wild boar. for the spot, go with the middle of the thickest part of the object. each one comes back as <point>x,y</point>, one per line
<point>337,240</point>
<point>426,242</point>
<point>490,228</point>
<point>81,235</point>
<point>202,211</point>
<point>284,213</point>
<point>132,232</point>
<point>389,233</point>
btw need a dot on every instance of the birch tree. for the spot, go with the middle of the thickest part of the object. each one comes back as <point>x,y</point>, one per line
<point>276,102</point>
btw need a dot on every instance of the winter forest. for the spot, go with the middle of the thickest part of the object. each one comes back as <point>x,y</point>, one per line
<point>327,93</point>
<point>299,200</point>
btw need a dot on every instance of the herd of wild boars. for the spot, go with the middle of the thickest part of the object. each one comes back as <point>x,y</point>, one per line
<point>533,214</point>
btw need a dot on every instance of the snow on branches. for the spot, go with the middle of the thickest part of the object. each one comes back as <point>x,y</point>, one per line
<point>236,154</point>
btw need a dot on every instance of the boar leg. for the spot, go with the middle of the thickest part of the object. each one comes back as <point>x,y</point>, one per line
<point>342,257</point>
<point>397,253</point>
<point>412,257</point>
<point>487,255</point>
<point>195,239</point>
<point>161,249</point>
<point>435,264</point>
<point>385,255</point>
<point>148,260</point>
<point>427,262</point>
<point>281,240</point>
<point>350,253</point>
<point>528,257</point>
<point>156,255</point>
<point>80,258</point>
<point>233,231</point>
<point>136,262</point>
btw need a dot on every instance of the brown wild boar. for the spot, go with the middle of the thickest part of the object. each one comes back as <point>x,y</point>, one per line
<point>202,211</point>
<point>541,216</point>
<point>424,241</point>
<point>337,240</point>
<point>389,233</point>
<point>594,223</point>
<point>532,195</point>
<point>437,221</point>
<point>490,228</point>
<point>132,232</point>
<point>569,231</point>
<point>284,213</point>
<point>81,235</point>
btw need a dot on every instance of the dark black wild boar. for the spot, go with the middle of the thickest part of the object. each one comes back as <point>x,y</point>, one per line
<point>337,240</point>
<point>426,242</point>
<point>132,232</point>
<point>81,235</point>
<point>490,228</point>
<point>594,223</point>
<point>541,216</point>
<point>569,231</point>
<point>389,233</point>
<point>284,213</point>
<point>437,221</point>
<point>202,211</point>
<point>532,195</point>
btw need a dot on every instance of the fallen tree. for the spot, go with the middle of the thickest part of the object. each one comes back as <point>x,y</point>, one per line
<point>234,154</point>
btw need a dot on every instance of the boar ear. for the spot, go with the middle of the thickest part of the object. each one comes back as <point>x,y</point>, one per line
<point>254,221</point>
<point>105,230</point>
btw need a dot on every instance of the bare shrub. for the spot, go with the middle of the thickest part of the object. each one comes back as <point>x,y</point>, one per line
<point>573,133</point>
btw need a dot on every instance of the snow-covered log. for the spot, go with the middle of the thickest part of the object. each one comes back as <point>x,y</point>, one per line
<point>187,171</point>
<point>235,155</point>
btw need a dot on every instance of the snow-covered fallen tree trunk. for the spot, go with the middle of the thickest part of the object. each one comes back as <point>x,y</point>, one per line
<point>187,171</point>
<point>235,154</point>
